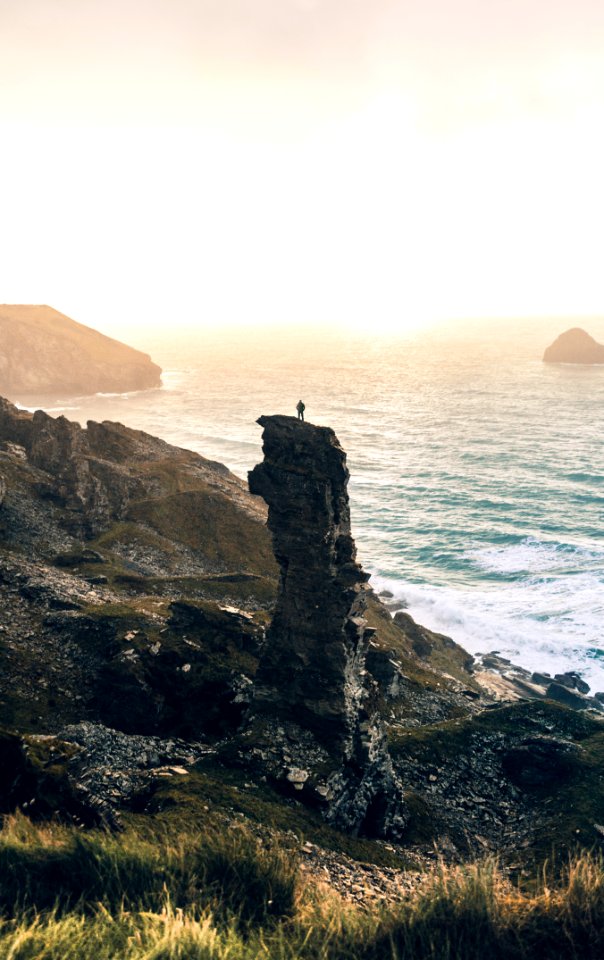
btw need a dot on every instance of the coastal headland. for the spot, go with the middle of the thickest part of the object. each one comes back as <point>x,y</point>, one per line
<point>44,352</point>
<point>142,606</point>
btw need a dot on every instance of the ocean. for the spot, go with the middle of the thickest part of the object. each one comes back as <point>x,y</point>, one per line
<point>477,471</point>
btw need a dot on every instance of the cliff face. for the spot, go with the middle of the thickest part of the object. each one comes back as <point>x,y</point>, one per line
<point>112,525</point>
<point>312,669</point>
<point>574,346</point>
<point>135,585</point>
<point>43,351</point>
<point>192,513</point>
<point>100,530</point>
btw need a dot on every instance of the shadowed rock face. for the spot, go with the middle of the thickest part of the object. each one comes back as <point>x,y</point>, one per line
<point>107,474</point>
<point>312,670</point>
<point>574,346</point>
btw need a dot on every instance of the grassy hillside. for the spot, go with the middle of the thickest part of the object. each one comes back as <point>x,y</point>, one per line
<point>216,895</point>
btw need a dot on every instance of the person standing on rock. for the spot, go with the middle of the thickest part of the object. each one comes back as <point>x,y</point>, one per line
<point>300,408</point>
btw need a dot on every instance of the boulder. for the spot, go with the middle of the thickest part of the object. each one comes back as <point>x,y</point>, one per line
<point>35,779</point>
<point>572,680</point>
<point>570,698</point>
<point>386,672</point>
<point>574,346</point>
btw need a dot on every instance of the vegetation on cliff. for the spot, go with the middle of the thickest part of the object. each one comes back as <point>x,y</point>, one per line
<point>137,582</point>
<point>219,896</point>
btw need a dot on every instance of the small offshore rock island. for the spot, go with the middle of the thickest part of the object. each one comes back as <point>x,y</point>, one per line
<point>574,346</point>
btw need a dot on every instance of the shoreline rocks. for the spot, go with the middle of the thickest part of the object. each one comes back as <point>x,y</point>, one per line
<point>506,681</point>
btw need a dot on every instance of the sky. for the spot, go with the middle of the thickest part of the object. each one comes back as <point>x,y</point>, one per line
<point>381,164</point>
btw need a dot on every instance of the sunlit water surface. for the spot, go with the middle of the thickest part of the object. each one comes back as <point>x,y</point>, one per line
<point>477,471</point>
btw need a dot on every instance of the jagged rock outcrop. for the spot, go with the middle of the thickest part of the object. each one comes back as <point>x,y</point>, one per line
<point>574,346</point>
<point>2,488</point>
<point>311,675</point>
<point>88,772</point>
<point>34,779</point>
<point>43,351</point>
<point>311,670</point>
<point>106,473</point>
<point>124,630</point>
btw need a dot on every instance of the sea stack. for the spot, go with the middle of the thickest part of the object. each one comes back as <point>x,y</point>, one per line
<point>574,346</point>
<point>311,683</point>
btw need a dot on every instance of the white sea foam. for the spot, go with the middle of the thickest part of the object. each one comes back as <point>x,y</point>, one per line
<point>125,395</point>
<point>553,626</point>
<point>532,556</point>
<point>171,379</point>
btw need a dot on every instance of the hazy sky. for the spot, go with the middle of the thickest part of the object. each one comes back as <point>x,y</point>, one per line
<point>373,161</point>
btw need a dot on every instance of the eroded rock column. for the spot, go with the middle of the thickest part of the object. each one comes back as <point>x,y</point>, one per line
<point>312,670</point>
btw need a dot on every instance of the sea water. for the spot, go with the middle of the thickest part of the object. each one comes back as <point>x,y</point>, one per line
<point>477,471</point>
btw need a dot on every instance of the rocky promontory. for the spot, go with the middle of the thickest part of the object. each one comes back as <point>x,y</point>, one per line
<point>574,346</point>
<point>44,352</point>
<point>157,657</point>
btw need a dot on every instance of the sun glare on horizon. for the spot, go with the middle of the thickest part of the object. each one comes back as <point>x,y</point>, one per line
<point>300,163</point>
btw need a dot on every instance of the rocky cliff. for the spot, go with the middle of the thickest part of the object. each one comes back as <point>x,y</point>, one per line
<point>106,473</point>
<point>100,530</point>
<point>112,526</point>
<point>42,351</point>
<point>574,346</point>
<point>312,670</point>
<point>136,584</point>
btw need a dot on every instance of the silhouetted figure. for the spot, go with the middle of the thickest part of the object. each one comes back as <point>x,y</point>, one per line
<point>300,408</point>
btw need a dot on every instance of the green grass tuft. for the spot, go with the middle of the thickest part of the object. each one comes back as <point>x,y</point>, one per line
<point>60,869</point>
<point>67,895</point>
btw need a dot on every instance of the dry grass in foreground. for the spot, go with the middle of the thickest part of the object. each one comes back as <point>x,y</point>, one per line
<point>68,895</point>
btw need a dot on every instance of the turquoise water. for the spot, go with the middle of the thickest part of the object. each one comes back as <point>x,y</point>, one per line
<point>477,471</point>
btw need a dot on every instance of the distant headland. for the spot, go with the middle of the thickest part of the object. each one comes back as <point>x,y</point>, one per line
<point>44,352</point>
<point>574,346</point>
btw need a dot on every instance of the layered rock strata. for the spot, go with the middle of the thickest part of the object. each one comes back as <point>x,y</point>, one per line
<point>311,676</point>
